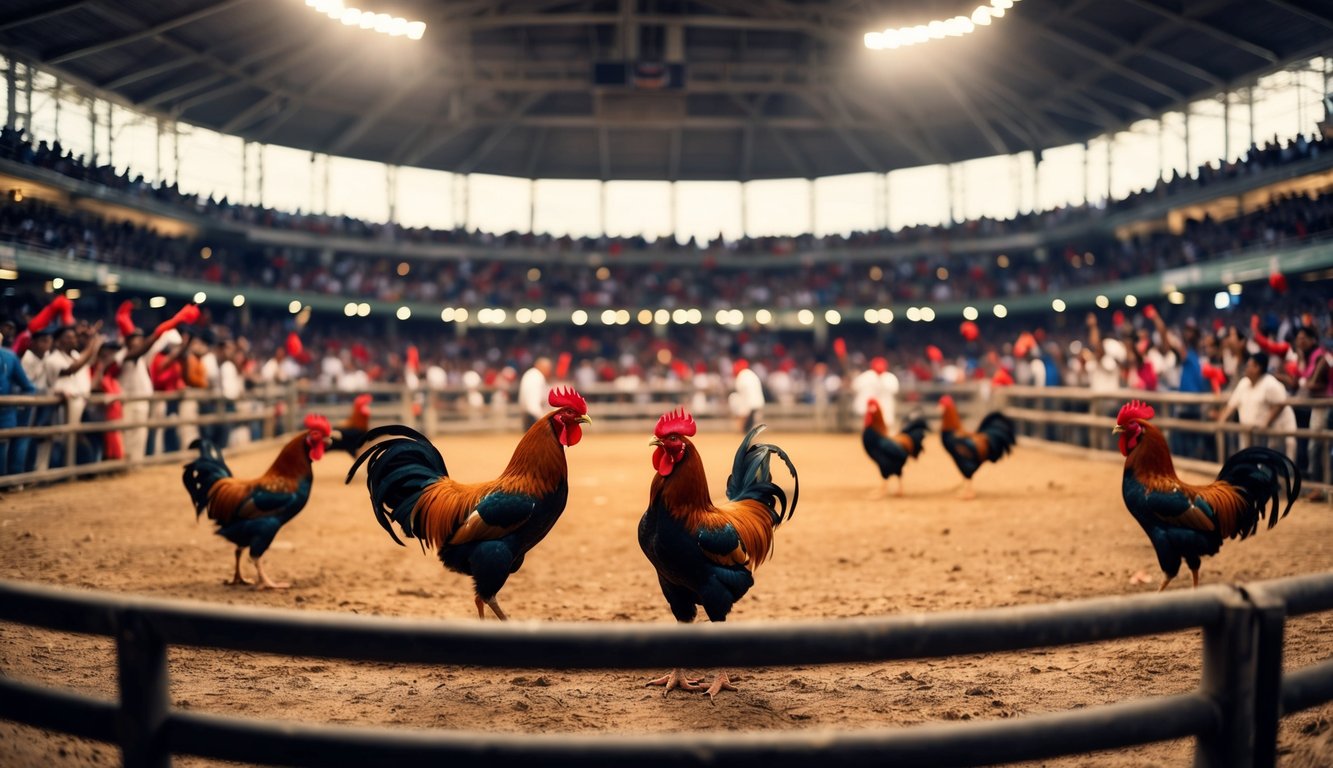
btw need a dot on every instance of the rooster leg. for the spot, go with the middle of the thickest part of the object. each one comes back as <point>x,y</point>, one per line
<point>1165,581</point>
<point>967,494</point>
<point>481,608</point>
<point>882,492</point>
<point>264,582</point>
<point>1195,573</point>
<point>495,606</point>
<point>675,679</point>
<point>720,683</point>
<point>236,579</point>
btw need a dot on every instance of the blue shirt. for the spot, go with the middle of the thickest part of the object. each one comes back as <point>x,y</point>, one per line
<point>1191,374</point>
<point>12,378</point>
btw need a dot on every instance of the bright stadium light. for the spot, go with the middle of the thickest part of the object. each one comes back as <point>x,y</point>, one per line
<point>460,315</point>
<point>538,316</point>
<point>1000,310</point>
<point>404,313</point>
<point>608,317</point>
<point>1222,300</point>
<point>1131,300</point>
<point>661,317</point>
<point>1176,297</point>
<point>57,283</point>
<point>832,317</point>
<point>927,314</point>
<point>938,29</point>
<point>970,313</point>
<point>1103,302</point>
<point>200,297</point>
<point>871,316</point>
<point>763,316</point>
<point>1058,305</point>
<point>294,306</point>
<point>913,314</point>
<point>885,316</point>
<point>238,300</point>
<point>349,309</point>
<point>446,314</point>
<point>523,315</point>
<point>383,23</point>
<point>805,317</point>
<point>1235,289</point>
<point>695,316</point>
<point>157,302</point>
<point>363,310</point>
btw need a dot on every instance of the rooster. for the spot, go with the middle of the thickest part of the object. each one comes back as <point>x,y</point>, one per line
<point>349,435</point>
<point>1186,522</point>
<point>482,530</point>
<point>890,453</point>
<point>992,440</point>
<point>248,513</point>
<point>705,553</point>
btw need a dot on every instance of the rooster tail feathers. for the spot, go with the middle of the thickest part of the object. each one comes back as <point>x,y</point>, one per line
<point>1263,475</point>
<point>916,429</point>
<point>203,473</point>
<point>751,478</point>
<point>999,431</point>
<point>398,471</point>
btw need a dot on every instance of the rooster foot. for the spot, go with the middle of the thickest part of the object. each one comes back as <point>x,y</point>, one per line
<point>237,581</point>
<point>675,679</point>
<point>720,683</point>
<point>264,582</point>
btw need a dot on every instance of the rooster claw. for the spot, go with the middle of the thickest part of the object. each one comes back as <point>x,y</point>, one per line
<point>237,582</point>
<point>720,683</point>
<point>675,679</point>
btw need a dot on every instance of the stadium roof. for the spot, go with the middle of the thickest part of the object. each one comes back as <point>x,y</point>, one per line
<point>767,89</point>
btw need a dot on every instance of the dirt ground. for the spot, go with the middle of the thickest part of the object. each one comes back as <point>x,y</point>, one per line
<point>1046,526</point>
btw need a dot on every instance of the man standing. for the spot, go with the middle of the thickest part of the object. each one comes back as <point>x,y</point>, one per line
<point>13,381</point>
<point>876,383</point>
<point>532,391</point>
<point>36,451</point>
<point>66,367</point>
<point>748,399</point>
<point>1260,401</point>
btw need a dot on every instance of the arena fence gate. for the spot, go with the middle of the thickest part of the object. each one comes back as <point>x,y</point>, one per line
<point>1233,713</point>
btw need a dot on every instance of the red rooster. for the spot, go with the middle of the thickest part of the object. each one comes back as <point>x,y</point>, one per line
<point>992,440</point>
<point>483,530</point>
<point>890,454</point>
<point>349,435</point>
<point>1187,522</point>
<point>248,513</point>
<point>705,553</point>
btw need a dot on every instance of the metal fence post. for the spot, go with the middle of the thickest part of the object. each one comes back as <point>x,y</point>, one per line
<point>144,699</point>
<point>1229,650</point>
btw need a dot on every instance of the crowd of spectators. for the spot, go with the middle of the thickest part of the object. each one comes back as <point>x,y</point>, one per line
<point>816,282</point>
<point>1205,349</point>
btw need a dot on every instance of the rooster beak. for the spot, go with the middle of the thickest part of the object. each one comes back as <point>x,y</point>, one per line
<point>1117,429</point>
<point>655,441</point>
<point>585,418</point>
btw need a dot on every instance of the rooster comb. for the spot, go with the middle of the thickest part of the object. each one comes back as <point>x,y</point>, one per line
<point>1134,409</point>
<point>677,422</point>
<point>316,423</point>
<point>363,399</point>
<point>946,402</point>
<point>566,397</point>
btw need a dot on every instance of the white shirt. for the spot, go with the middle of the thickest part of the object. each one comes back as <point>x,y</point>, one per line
<point>750,390</point>
<point>532,393</point>
<point>230,381</point>
<point>134,376</point>
<point>880,386</point>
<point>1253,402</point>
<point>36,370</point>
<point>77,384</point>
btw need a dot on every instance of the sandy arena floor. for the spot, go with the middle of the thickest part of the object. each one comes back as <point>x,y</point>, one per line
<point>1045,527</point>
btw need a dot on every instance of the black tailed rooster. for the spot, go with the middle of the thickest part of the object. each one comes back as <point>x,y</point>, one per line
<point>1187,522</point>
<point>483,530</point>
<point>992,440</point>
<point>705,553</point>
<point>248,513</point>
<point>890,454</point>
<point>349,435</point>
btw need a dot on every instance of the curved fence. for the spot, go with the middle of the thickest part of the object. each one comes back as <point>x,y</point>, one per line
<point>1072,416</point>
<point>1233,713</point>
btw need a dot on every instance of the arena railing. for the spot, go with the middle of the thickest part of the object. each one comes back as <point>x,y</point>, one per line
<point>1233,713</point>
<point>1071,416</point>
<point>1080,417</point>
